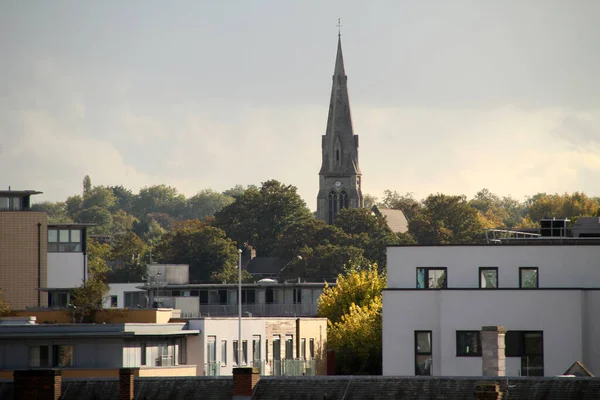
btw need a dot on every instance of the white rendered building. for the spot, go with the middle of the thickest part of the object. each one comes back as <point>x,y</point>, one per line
<point>546,295</point>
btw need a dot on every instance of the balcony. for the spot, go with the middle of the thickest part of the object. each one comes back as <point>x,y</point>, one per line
<point>259,310</point>
<point>294,367</point>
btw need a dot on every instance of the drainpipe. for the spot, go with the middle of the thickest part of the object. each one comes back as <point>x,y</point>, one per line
<point>39,294</point>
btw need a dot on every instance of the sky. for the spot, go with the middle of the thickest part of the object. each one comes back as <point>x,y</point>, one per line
<point>447,97</point>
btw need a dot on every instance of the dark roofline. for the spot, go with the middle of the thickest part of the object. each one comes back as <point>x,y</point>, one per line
<point>19,192</point>
<point>71,225</point>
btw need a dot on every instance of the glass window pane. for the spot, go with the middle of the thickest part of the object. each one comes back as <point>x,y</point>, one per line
<point>63,356</point>
<point>529,278</point>
<point>63,235</point>
<point>236,353</point>
<point>245,352</point>
<point>423,342</point>
<point>52,247</point>
<point>224,352</point>
<point>75,235</point>
<point>423,364</point>
<point>437,278</point>
<point>420,278</point>
<point>489,278</point>
<point>532,343</point>
<point>52,236</point>
<point>211,350</point>
<point>468,343</point>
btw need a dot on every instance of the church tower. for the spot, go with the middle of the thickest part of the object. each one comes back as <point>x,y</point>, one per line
<point>340,176</point>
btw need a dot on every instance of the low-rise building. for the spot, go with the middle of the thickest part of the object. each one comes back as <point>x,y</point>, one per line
<point>94,350</point>
<point>276,346</point>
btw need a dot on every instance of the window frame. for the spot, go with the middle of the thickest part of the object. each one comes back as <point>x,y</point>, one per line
<point>481,269</point>
<point>55,245</point>
<point>423,353</point>
<point>223,352</point>
<point>521,351</point>
<point>537,277</point>
<point>460,353</point>
<point>426,282</point>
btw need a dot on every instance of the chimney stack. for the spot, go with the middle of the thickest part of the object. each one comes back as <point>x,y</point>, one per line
<point>493,361</point>
<point>37,384</point>
<point>244,382</point>
<point>126,383</point>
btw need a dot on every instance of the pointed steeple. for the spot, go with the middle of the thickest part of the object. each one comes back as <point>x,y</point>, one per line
<point>339,60</point>
<point>339,134</point>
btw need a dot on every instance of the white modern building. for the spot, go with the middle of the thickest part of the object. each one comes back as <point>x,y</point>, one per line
<point>546,295</point>
<point>276,346</point>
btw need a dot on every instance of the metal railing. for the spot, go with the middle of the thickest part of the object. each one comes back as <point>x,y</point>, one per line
<point>293,367</point>
<point>212,368</point>
<point>260,310</point>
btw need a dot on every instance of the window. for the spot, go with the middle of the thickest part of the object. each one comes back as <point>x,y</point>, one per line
<point>10,204</point>
<point>236,353</point>
<point>337,156</point>
<point>256,348</point>
<point>468,343</point>
<point>311,344</point>
<point>211,349</point>
<point>276,348</point>
<point>529,345</point>
<point>143,354</point>
<point>343,199</point>
<point>203,294</point>
<point>303,348</point>
<point>266,349</point>
<point>65,240</point>
<point>222,296</point>
<point>269,296</point>
<point>528,277</point>
<point>297,296</point>
<point>39,356</point>
<point>289,347</point>
<point>245,352</point>
<point>58,299</point>
<point>134,299</point>
<point>181,346</point>
<point>114,301</point>
<point>431,278</point>
<point>423,354</point>
<point>62,355</point>
<point>248,296</point>
<point>488,277</point>
<point>333,205</point>
<point>223,352</point>
<point>176,293</point>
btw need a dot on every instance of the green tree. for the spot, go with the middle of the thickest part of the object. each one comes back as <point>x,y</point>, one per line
<point>122,222</point>
<point>260,216</point>
<point>5,308</point>
<point>309,233</point>
<point>369,201</point>
<point>96,215</point>
<point>324,262</point>
<point>446,220</point>
<point>353,309</point>
<point>159,199</point>
<point>101,197</point>
<point>566,205</point>
<point>73,205</point>
<point>404,202</point>
<point>237,190</point>
<point>89,297</point>
<point>87,186</point>
<point>206,203</point>
<point>124,198</point>
<point>129,251</point>
<point>57,212</point>
<point>205,248</point>
<point>368,232</point>
<point>230,274</point>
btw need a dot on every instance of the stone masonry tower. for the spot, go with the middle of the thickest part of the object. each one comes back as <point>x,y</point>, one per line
<point>340,176</point>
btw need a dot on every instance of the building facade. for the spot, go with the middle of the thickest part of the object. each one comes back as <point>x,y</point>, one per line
<point>95,350</point>
<point>23,250</point>
<point>438,298</point>
<point>276,346</point>
<point>340,175</point>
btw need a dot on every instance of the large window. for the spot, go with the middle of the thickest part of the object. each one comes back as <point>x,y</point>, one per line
<point>211,349</point>
<point>289,347</point>
<point>297,296</point>
<point>11,203</point>
<point>529,345</point>
<point>58,299</point>
<point>223,352</point>
<point>65,241</point>
<point>236,353</point>
<point>248,296</point>
<point>528,277</point>
<point>303,348</point>
<point>135,299</point>
<point>488,277</point>
<point>432,278</point>
<point>143,354</point>
<point>311,344</point>
<point>255,348</point>
<point>276,348</point>
<point>468,343</point>
<point>423,353</point>
<point>245,352</point>
<point>58,355</point>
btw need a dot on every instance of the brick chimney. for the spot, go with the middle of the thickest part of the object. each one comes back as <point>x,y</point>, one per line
<point>244,382</point>
<point>126,383</point>
<point>493,361</point>
<point>488,391</point>
<point>37,384</point>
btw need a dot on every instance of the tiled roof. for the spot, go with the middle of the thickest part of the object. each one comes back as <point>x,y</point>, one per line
<point>395,219</point>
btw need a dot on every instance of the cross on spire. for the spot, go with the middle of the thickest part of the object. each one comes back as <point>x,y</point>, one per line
<point>339,26</point>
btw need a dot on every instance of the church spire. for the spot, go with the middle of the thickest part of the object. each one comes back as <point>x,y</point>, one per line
<point>339,60</point>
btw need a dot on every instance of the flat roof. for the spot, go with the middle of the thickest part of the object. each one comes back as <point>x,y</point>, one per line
<point>19,192</point>
<point>94,330</point>
<point>164,285</point>
<point>71,225</point>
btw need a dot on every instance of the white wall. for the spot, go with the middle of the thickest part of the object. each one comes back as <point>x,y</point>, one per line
<point>119,289</point>
<point>559,265</point>
<point>558,313</point>
<point>66,270</point>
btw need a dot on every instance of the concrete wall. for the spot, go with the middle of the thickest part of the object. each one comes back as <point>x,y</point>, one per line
<point>66,270</point>
<point>19,252</point>
<point>173,274</point>
<point>157,315</point>
<point>568,319</point>
<point>119,289</point>
<point>559,266</point>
